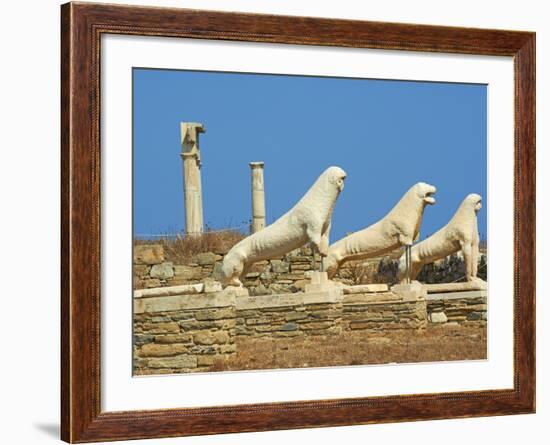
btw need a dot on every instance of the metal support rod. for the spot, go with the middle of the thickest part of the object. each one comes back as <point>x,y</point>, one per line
<point>408,262</point>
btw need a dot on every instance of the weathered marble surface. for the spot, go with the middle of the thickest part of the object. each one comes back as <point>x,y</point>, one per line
<point>455,287</point>
<point>258,196</point>
<point>399,227</point>
<point>459,234</point>
<point>307,222</point>
<point>191,157</point>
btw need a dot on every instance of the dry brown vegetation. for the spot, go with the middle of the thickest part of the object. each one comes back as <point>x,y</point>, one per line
<point>180,249</point>
<point>435,343</point>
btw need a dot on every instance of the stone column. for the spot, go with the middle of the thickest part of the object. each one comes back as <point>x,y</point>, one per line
<point>258,196</point>
<point>191,156</point>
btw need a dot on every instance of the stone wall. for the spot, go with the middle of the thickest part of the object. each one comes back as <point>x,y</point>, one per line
<point>176,333</point>
<point>283,275</point>
<point>383,311</point>
<point>287,274</point>
<point>290,315</point>
<point>194,328</point>
<point>464,308</point>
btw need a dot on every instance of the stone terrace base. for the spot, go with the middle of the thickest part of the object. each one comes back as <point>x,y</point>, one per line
<point>195,328</point>
<point>446,304</point>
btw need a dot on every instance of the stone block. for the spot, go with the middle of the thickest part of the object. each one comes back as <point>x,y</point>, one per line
<point>169,291</point>
<point>437,317</point>
<point>205,360</point>
<point>141,270</point>
<point>177,362</point>
<point>187,272</point>
<point>148,254</point>
<point>137,283</point>
<point>371,298</point>
<point>141,339</point>
<point>173,338</point>
<point>319,282</point>
<point>276,288</point>
<point>288,327</point>
<point>266,275</point>
<point>465,294</point>
<point>412,291</point>
<point>162,271</point>
<point>456,287</point>
<point>217,269</point>
<point>161,328</point>
<point>228,349</point>
<point>161,319</point>
<point>163,350</point>
<point>151,283</point>
<point>291,276</point>
<point>175,281</point>
<point>183,302</point>
<point>194,325</point>
<point>215,313</point>
<point>299,285</point>
<point>211,338</point>
<point>264,328</point>
<point>279,266</point>
<point>359,325</point>
<point>316,325</point>
<point>258,320</point>
<point>293,316</point>
<point>211,285</point>
<point>475,316</point>
<point>325,314</point>
<point>365,288</point>
<point>260,290</point>
<point>207,258</point>
<point>203,349</point>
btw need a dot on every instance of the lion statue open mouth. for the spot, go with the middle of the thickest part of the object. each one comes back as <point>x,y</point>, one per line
<point>399,227</point>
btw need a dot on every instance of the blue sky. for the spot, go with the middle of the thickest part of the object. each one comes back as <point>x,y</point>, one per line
<point>387,135</point>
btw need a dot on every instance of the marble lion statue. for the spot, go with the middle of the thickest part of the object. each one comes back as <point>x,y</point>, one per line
<point>460,234</point>
<point>307,222</point>
<point>401,226</point>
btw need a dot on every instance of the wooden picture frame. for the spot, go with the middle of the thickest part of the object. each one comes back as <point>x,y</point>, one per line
<point>82,26</point>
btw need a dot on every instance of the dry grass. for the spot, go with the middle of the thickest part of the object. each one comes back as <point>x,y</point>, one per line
<point>181,249</point>
<point>356,272</point>
<point>436,343</point>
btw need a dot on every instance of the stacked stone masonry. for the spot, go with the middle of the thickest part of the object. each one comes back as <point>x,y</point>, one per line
<point>194,328</point>
<point>465,309</point>
<point>284,275</point>
<point>183,333</point>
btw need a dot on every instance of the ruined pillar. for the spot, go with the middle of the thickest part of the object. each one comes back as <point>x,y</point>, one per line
<point>191,157</point>
<point>258,196</point>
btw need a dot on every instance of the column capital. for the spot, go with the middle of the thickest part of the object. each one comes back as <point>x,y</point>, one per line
<point>190,132</point>
<point>192,126</point>
<point>256,164</point>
